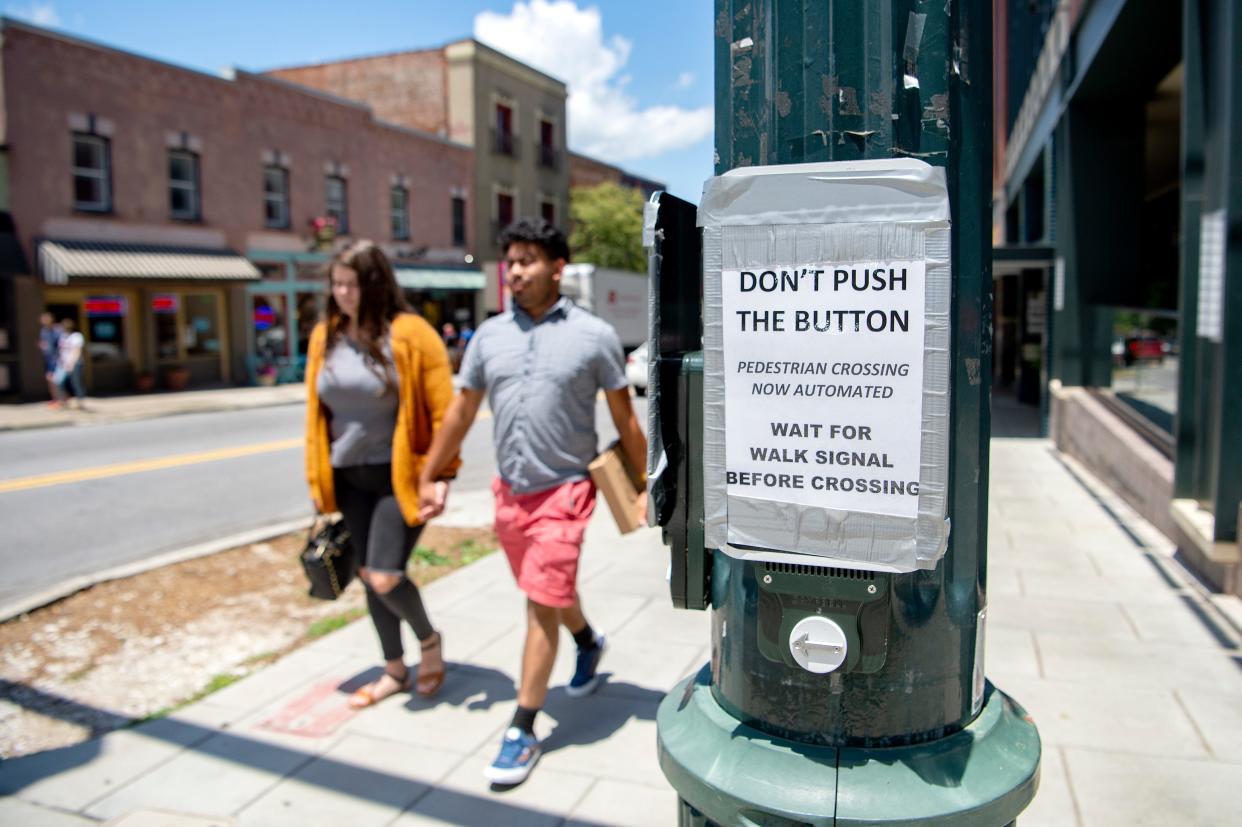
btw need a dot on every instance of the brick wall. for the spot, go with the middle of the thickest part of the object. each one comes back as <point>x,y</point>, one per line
<point>407,88</point>
<point>49,79</point>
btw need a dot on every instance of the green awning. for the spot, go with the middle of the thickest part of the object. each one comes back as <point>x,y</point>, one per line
<point>418,278</point>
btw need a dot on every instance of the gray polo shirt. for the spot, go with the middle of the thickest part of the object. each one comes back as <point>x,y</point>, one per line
<point>541,380</point>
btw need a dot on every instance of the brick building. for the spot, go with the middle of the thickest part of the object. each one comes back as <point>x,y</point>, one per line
<point>585,171</point>
<point>513,116</point>
<point>169,212</point>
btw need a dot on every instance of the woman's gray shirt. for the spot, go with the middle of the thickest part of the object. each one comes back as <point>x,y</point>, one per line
<point>363,411</point>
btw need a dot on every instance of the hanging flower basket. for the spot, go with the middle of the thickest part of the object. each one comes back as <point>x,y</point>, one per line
<point>323,232</point>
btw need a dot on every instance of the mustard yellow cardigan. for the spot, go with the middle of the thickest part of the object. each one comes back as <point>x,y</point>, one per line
<point>425,385</point>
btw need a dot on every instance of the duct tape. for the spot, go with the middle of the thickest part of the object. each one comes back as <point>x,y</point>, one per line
<point>777,220</point>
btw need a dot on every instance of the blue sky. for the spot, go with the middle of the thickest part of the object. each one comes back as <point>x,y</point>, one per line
<point>640,71</point>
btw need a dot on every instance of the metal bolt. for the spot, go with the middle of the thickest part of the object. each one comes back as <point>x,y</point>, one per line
<point>767,578</point>
<point>871,589</point>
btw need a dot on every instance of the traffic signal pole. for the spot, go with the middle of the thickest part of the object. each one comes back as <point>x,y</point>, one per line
<point>839,693</point>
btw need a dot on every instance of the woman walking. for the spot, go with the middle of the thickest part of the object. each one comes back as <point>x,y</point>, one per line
<point>378,383</point>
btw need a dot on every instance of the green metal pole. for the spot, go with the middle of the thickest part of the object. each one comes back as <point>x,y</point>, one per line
<point>912,736</point>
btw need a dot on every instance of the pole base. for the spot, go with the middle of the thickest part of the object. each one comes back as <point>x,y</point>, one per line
<point>729,774</point>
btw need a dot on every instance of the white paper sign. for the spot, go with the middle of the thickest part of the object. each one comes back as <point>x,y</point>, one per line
<point>824,383</point>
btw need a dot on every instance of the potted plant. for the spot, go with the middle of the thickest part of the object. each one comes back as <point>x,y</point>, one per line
<point>176,377</point>
<point>323,232</point>
<point>265,374</point>
<point>144,381</point>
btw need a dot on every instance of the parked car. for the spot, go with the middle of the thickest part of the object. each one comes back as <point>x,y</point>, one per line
<point>636,369</point>
<point>1143,349</point>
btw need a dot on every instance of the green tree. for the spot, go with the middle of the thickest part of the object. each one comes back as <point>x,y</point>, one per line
<point>607,226</point>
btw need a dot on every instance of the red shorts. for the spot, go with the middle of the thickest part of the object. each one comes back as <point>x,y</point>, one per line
<point>541,534</point>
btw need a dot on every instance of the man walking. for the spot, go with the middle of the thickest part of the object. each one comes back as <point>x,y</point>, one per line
<point>49,346</point>
<point>541,366</point>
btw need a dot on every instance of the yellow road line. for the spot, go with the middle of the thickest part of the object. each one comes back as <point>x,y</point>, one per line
<point>121,468</point>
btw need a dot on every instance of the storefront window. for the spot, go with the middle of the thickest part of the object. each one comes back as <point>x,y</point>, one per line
<point>105,328</point>
<point>271,272</point>
<point>270,319</point>
<point>312,270</point>
<point>164,309</point>
<point>1145,363</point>
<point>310,305</point>
<point>202,325</point>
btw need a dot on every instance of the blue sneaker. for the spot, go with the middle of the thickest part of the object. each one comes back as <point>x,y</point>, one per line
<point>518,753</point>
<point>586,674</point>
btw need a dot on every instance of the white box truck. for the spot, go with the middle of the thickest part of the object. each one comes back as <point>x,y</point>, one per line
<point>619,297</point>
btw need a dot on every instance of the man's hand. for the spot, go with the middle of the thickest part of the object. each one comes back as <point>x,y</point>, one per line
<point>641,506</point>
<point>432,497</point>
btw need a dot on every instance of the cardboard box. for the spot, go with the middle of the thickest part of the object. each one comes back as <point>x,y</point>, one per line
<point>620,486</point>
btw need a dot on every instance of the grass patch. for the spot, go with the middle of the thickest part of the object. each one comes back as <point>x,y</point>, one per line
<point>429,557</point>
<point>214,685</point>
<point>328,625</point>
<point>471,550</point>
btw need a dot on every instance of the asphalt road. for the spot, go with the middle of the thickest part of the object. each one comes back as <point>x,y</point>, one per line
<point>77,501</point>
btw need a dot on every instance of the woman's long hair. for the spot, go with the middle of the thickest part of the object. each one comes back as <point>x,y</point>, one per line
<point>379,301</point>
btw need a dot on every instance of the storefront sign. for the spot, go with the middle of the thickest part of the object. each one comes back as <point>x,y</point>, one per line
<point>164,303</point>
<point>264,317</point>
<point>104,306</point>
<point>823,369</point>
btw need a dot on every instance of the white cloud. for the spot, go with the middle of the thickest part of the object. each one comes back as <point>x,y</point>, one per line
<point>41,14</point>
<point>684,81</point>
<point>568,42</point>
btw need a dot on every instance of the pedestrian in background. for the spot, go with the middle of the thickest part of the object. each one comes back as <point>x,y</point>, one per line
<point>68,375</point>
<point>541,366</point>
<point>378,384</point>
<point>49,346</point>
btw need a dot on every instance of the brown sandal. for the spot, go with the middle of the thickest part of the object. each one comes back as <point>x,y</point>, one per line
<point>366,696</point>
<point>429,683</point>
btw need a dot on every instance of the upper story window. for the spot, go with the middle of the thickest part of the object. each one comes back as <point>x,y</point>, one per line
<point>504,209</point>
<point>504,143</point>
<point>92,173</point>
<point>547,144</point>
<point>399,203</point>
<point>459,221</point>
<point>183,185</point>
<point>276,197</point>
<point>336,202</point>
<point>547,210</point>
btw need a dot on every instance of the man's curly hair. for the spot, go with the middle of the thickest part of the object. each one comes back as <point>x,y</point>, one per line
<point>536,231</point>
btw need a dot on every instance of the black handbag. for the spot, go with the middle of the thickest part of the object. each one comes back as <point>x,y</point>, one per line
<point>328,559</point>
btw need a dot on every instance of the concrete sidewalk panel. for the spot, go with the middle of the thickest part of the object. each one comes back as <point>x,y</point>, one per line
<point>1010,651</point>
<point>1142,791</point>
<point>1218,715</point>
<point>1094,587</point>
<point>605,735</point>
<point>1142,664</point>
<point>622,804</point>
<point>1136,721</point>
<point>1054,802</point>
<point>660,621</point>
<point>19,813</point>
<point>167,818</point>
<point>361,781</point>
<point>465,797</point>
<point>270,684</point>
<point>73,777</point>
<point>217,777</point>
<point>1191,623</point>
<point>1055,614</point>
<point>470,711</point>
<point>652,664</point>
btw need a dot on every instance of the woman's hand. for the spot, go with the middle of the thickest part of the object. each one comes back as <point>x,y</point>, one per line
<point>432,497</point>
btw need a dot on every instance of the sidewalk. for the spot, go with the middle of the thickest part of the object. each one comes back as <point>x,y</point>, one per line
<point>148,406</point>
<point>1132,673</point>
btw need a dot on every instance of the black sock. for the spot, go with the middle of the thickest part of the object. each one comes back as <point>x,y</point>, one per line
<point>524,719</point>
<point>585,637</point>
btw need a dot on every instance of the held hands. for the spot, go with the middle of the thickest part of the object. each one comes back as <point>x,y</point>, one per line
<point>432,497</point>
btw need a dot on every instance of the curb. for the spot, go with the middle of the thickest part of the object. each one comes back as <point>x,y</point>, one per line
<point>62,590</point>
